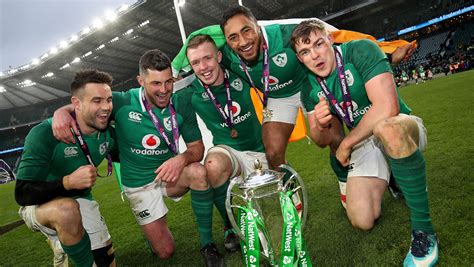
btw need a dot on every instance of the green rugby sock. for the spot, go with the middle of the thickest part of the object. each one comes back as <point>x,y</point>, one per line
<point>220,194</point>
<point>339,170</point>
<point>410,174</point>
<point>201,202</point>
<point>80,253</point>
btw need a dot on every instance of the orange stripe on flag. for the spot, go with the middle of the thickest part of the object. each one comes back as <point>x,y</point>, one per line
<point>343,36</point>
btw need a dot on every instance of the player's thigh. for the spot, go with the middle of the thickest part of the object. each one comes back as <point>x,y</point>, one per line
<point>364,193</point>
<point>193,176</point>
<point>94,223</point>
<point>282,109</point>
<point>221,159</point>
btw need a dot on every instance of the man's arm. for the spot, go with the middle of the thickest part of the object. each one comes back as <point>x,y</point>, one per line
<point>171,169</point>
<point>383,96</point>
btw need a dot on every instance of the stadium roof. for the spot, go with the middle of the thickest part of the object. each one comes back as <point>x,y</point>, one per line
<point>117,45</point>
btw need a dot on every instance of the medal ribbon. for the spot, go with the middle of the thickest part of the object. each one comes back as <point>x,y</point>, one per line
<point>265,74</point>
<point>174,147</point>
<point>345,111</point>
<point>229,120</point>
<point>86,151</point>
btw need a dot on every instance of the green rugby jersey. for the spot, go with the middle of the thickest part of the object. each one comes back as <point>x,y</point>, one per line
<point>46,159</point>
<point>142,150</point>
<point>287,75</point>
<point>245,119</point>
<point>363,60</point>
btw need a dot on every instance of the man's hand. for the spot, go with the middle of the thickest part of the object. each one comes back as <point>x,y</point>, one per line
<point>82,178</point>
<point>343,154</point>
<point>402,53</point>
<point>170,170</point>
<point>62,123</point>
<point>322,114</point>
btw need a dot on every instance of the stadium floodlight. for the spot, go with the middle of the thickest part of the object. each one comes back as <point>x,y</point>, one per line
<point>1,74</point>
<point>97,23</point>
<point>100,47</point>
<point>86,30</point>
<point>63,44</point>
<point>44,56</point>
<point>65,66</point>
<point>181,3</point>
<point>24,67</point>
<point>114,40</point>
<point>53,50</point>
<point>35,61</point>
<point>123,8</point>
<point>48,75</point>
<point>128,32</point>
<point>13,71</point>
<point>27,81</point>
<point>110,15</point>
<point>87,54</point>
<point>2,89</point>
<point>75,60</point>
<point>74,38</point>
<point>144,23</point>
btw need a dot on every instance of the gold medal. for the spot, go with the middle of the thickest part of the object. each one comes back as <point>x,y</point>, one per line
<point>233,133</point>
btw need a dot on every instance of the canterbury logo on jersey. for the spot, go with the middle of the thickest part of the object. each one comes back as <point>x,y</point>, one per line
<point>135,116</point>
<point>70,151</point>
<point>143,214</point>
<point>274,83</point>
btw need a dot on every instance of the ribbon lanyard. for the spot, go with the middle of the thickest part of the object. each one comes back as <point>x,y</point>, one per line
<point>228,119</point>
<point>344,111</point>
<point>86,151</point>
<point>265,74</point>
<point>174,147</point>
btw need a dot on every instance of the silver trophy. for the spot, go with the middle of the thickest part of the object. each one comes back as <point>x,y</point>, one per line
<point>257,210</point>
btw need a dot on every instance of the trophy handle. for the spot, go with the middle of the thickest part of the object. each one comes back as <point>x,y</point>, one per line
<point>300,185</point>
<point>229,206</point>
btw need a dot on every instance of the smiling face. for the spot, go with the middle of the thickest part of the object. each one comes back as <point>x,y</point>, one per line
<point>93,106</point>
<point>158,86</point>
<point>317,53</point>
<point>204,59</point>
<point>243,36</point>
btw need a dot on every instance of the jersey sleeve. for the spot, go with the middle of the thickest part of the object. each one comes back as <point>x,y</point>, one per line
<point>368,59</point>
<point>37,154</point>
<point>119,99</point>
<point>189,129</point>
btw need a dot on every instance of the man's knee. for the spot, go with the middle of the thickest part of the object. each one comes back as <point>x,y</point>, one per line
<point>166,251</point>
<point>360,220</point>
<point>66,214</point>
<point>197,176</point>
<point>218,167</point>
<point>398,135</point>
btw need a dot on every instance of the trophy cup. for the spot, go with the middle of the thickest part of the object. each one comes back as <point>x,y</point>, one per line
<point>269,211</point>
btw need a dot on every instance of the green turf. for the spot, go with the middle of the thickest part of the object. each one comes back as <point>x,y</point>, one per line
<point>445,105</point>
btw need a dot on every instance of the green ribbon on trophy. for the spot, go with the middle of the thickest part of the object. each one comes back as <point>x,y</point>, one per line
<point>248,226</point>
<point>293,249</point>
<point>292,240</point>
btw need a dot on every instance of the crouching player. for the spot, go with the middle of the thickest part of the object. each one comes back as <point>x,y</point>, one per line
<point>54,179</point>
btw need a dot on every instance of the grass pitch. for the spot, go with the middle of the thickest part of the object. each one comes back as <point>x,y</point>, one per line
<point>445,104</point>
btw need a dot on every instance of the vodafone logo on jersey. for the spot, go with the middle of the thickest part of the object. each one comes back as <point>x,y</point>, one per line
<point>150,141</point>
<point>235,109</point>
<point>271,80</point>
